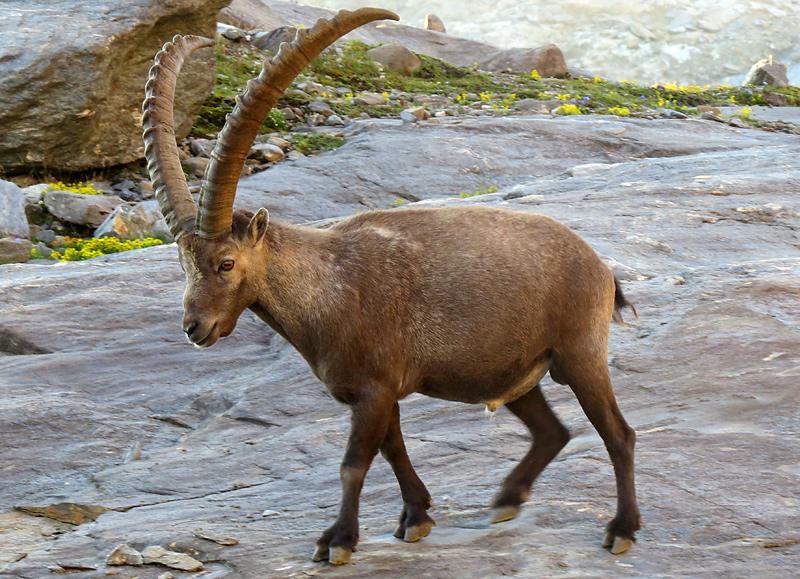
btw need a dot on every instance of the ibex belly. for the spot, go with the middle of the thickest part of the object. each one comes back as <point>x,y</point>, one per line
<point>522,386</point>
<point>471,385</point>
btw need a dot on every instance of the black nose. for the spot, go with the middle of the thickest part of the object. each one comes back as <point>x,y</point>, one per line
<point>189,327</point>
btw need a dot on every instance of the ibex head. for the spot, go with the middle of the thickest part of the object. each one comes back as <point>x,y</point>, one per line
<point>223,253</point>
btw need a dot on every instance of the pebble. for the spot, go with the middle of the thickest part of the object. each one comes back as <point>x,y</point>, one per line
<point>173,559</point>
<point>334,121</point>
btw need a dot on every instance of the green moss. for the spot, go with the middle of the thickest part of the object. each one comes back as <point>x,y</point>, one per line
<point>310,143</point>
<point>483,191</point>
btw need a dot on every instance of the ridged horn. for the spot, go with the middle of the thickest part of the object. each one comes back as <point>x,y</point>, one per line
<point>158,123</point>
<point>252,106</point>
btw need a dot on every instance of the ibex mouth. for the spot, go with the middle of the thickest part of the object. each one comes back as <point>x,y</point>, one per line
<point>206,342</point>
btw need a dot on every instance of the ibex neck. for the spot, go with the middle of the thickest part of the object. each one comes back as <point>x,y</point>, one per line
<point>299,291</point>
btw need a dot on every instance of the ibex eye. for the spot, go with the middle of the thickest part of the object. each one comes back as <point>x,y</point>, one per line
<point>227,265</point>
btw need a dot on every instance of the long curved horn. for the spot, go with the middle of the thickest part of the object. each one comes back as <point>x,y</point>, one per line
<point>160,149</point>
<point>242,125</point>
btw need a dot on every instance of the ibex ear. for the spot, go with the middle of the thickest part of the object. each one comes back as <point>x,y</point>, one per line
<point>258,226</point>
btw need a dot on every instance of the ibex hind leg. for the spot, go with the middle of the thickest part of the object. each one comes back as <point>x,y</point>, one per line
<point>415,523</point>
<point>586,372</point>
<point>549,437</point>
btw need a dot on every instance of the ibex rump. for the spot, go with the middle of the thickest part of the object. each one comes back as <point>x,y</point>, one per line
<point>469,304</point>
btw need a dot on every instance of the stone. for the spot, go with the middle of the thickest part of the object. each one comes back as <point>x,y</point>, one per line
<point>202,147</point>
<point>124,555</point>
<point>166,575</point>
<point>14,250</point>
<point>414,115</point>
<point>75,102</point>
<point>370,99</point>
<point>266,152</point>
<point>320,107</point>
<point>89,210</point>
<point>44,235</point>
<point>231,32</point>
<point>548,60</point>
<point>223,540</point>
<point>767,71</point>
<point>310,87</point>
<point>173,559</point>
<point>195,166</point>
<point>395,57</point>
<point>35,193</point>
<point>13,221</point>
<point>71,513</point>
<point>289,113</point>
<point>295,155</point>
<point>272,40</point>
<point>316,119</point>
<point>531,105</point>
<point>433,22</point>
<point>334,121</point>
<point>135,222</point>
<point>279,142</point>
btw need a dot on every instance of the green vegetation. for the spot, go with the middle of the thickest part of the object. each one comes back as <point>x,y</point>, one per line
<point>75,249</point>
<point>310,143</point>
<point>467,87</point>
<point>83,188</point>
<point>484,191</point>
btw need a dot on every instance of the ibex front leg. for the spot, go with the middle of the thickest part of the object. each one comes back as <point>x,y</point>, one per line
<point>371,416</point>
<point>414,520</point>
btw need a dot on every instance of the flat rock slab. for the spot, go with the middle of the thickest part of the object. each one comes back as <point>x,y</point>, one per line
<point>242,441</point>
<point>386,161</point>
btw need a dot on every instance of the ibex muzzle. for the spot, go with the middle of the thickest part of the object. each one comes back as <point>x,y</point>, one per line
<point>470,304</point>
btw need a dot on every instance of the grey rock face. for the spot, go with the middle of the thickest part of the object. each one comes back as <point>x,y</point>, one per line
<point>89,210</point>
<point>243,440</point>
<point>271,40</point>
<point>135,222</point>
<point>13,222</point>
<point>74,101</point>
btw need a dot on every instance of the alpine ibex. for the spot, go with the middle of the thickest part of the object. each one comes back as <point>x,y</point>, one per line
<point>469,304</point>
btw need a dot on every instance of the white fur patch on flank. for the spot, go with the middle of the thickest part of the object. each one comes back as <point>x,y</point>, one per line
<point>386,233</point>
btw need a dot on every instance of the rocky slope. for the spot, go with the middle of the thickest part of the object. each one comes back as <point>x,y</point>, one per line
<point>685,41</point>
<point>104,405</point>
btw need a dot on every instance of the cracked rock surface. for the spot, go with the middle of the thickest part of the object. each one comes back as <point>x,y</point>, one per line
<point>169,446</point>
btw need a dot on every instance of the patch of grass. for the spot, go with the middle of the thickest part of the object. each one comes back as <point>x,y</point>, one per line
<point>82,188</point>
<point>354,69</point>
<point>236,64</point>
<point>484,191</point>
<point>81,249</point>
<point>310,143</point>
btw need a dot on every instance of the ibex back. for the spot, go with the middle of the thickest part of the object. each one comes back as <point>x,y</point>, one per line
<point>469,304</point>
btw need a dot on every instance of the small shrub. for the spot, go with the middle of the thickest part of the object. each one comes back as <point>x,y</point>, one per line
<point>82,188</point>
<point>276,121</point>
<point>535,75</point>
<point>568,109</point>
<point>744,113</point>
<point>398,201</point>
<point>80,249</point>
<point>619,111</point>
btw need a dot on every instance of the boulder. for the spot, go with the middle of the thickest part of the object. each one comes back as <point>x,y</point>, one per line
<point>433,22</point>
<point>266,152</point>
<point>547,60</point>
<point>135,222</point>
<point>87,210</point>
<point>395,57</point>
<point>767,71</point>
<point>12,211</point>
<point>74,74</point>
<point>271,40</point>
<point>14,250</point>
<point>195,166</point>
